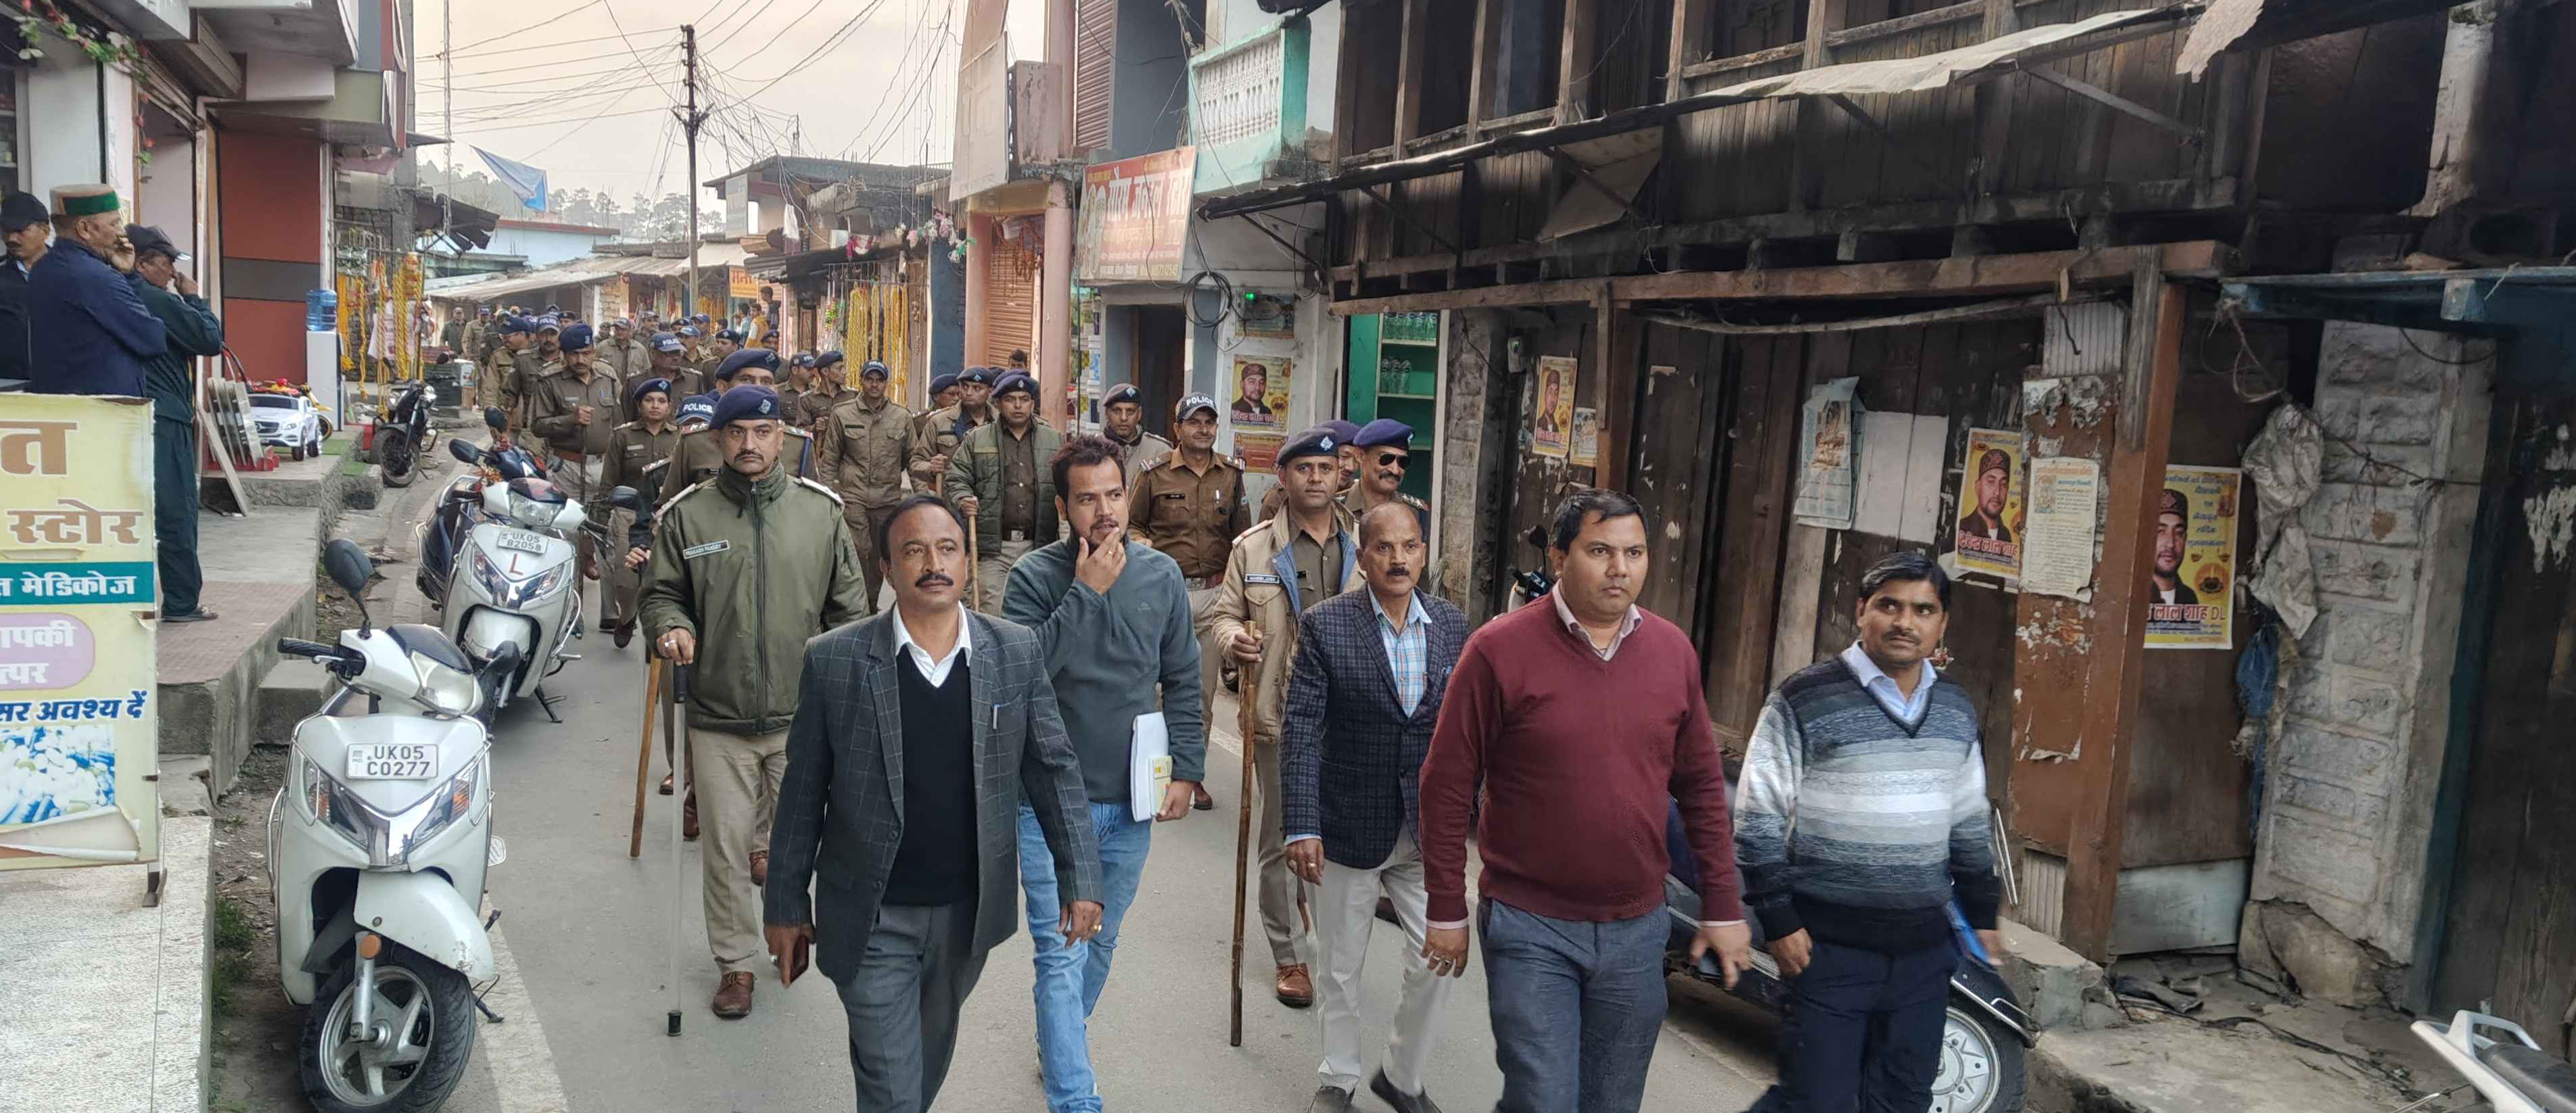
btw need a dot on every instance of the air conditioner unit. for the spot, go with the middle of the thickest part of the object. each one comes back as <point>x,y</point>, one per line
<point>359,189</point>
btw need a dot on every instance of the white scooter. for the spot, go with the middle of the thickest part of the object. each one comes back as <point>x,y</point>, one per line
<point>377,847</point>
<point>513,598</point>
<point>2512,1074</point>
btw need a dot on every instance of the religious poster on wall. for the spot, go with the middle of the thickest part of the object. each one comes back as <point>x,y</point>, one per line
<point>1990,504</point>
<point>79,734</point>
<point>1829,454</point>
<point>2057,539</point>
<point>2191,565</point>
<point>1552,419</point>
<point>1587,438</point>
<point>1260,393</point>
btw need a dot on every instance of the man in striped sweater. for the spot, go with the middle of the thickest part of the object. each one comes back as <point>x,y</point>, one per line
<point>1862,814</point>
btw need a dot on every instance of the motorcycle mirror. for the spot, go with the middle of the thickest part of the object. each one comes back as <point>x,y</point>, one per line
<point>463,451</point>
<point>1538,537</point>
<point>624,498</point>
<point>493,418</point>
<point>349,567</point>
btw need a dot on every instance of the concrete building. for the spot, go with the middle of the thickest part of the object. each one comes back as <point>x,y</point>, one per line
<point>544,243</point>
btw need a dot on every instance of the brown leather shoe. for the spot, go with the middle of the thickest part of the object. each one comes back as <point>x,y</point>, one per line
<point>1201,801</point>
<point>666,783</point>
<point>1296,990</point>
<point>760,867</point>
<point>689,817</point>
<point>733,996</point>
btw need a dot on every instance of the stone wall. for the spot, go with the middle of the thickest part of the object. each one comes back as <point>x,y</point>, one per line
<point>1471,483</point>
<point>2348,800</point>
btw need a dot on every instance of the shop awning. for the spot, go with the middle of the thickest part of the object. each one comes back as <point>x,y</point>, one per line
<point>531,282</point>
<point>2003,56</point>
<point>2252,24</point>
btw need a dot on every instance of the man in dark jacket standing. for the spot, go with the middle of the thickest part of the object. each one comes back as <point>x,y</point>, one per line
<point>23,226</point>
<point>97,333</point>
<point>1350,757</point>
<point>750,564</point>
<point>171,377</point>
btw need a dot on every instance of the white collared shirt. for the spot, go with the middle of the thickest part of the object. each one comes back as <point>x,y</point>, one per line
<point>1627,626</point>
<point>934,671</point>
<point>1874,680</point>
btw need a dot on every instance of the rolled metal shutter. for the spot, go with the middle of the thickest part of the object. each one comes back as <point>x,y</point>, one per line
<point>1011,302</point>
<point>1095,69</point>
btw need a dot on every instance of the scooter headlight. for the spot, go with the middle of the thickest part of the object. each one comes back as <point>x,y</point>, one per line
<point>518,594</point>
<point>331,804</point>
<point>445,690</point>
<point>454,801</point>
<point>531,513</point>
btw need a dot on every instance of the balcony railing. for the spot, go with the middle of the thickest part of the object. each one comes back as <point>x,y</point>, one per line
<point>1248,107</point>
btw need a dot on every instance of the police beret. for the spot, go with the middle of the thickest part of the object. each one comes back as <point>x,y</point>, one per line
<point>665,342</point>
<point>728,334</point>
<point>748,357</point>
<point>1015,381</point>
<point>1193,403</point>
<point>1123,392</point>
<point>1385,432</point>
<point>1343,431</point>
<point>1318,441</point>
<point>697,406</point>
<point>2175,502</point>
<point>749,403</point>
<point>575,338</point>
<point>872,369</point>
<point>826,359</point>
<point>515,323</point>
<point>945,380</point>
<point>804,359</point>
<point>976,376</point>
<point>643,387</point>
<point>1994,460</point>
<point>697,316</point>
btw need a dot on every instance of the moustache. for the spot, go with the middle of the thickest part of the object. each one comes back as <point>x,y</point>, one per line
<point>1397,572</point>
<point>934,579</point>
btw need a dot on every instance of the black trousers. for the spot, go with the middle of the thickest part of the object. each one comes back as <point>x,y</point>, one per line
<point>1862,1031</point>
<point>174,513</point>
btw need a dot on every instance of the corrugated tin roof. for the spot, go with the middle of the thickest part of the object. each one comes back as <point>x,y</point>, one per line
<point>1927,72</point>
<point>533,280</point>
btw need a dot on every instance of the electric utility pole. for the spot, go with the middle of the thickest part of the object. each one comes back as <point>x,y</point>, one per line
<point>447,78</point>
<point>690,122</point>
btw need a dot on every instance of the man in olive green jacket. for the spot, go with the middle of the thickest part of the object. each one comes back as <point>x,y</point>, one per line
<point>745,568</point>
<point>1002,476</point>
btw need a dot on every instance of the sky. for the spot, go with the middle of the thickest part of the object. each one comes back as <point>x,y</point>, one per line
<point>872,80</point>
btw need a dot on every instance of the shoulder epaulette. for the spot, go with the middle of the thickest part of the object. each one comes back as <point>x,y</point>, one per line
<point>660,511</point>
<point>1256,528</point>
<point>624,426</point>
<point>828,493</point>
<point>799,430</point>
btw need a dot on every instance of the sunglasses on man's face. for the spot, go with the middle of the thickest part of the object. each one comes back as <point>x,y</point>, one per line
<point>1392,459</point>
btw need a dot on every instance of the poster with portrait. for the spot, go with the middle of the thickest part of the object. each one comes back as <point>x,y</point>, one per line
<point>1829,454</point>
<point>1552,421</point>
<point>2191,560</point>
<point>1259,394</point>
<point>79,734</point>
<point>1587,438</point>
<point>1990,504</point>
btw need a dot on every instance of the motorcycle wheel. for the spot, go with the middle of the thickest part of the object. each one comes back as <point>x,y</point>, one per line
<point>1981,1066</point>
<point>395,453</point>
<point>426,1014</point>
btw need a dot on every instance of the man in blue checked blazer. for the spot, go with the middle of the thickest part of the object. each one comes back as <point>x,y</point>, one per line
<point>1362,698</point>
<point>917,732</point>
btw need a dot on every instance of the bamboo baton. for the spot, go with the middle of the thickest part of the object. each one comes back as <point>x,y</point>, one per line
<point>1246,717</point>
<point>644,755</point>
<point>974,566</point>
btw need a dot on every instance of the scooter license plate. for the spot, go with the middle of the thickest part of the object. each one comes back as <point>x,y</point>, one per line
<point>407,761</point>
<point>521,542</point>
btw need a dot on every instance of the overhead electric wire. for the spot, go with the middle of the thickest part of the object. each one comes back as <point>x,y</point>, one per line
<point>554,44</point>
<point>558,123</point>
<point>554,63</point>
<point>829,43</point>
<point>529,27</point>
<point>513,85</point>
<point>631,51</point>
<point>894,80</point>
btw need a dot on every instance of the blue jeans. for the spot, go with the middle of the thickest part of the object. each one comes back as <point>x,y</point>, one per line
<point>1069,979</point>
<point>1576,1006</point>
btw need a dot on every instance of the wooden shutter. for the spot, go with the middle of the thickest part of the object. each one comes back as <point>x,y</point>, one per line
<point>1011,302</point>
<point>1095,70</point>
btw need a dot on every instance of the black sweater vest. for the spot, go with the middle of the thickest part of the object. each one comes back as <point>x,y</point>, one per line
<point>935,863</point>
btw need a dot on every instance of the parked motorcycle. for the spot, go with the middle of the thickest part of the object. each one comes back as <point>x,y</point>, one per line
<point>1532,583</point>
<point>377,848</point>
<point>461,505</point>
<point>2513,1075</point>
<point>517,609</point>
<point>405,429</point>
<point>1982,1043</point>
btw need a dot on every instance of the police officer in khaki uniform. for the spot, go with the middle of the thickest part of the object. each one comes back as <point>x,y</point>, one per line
<point>478,339</point>
<point>934,449</point>
<point>831,387</point>
<point>1002,476</point>
<point>629,357</point>
<point>1277,570</point>
<point>698,458</point>
<point>943,395</point>
<point>1385,451</point>
<point>864,447</point>
<point>1123,422</point>
<point>575,410</point>
<point>518,377</point>
<point>1190,507</point>
<point>664,363</point>
<point>633,451</point>
<point>1348,455</point>
<point>693,351</point>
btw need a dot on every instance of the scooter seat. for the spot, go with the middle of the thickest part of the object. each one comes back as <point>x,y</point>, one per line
<point>2546,1079</point>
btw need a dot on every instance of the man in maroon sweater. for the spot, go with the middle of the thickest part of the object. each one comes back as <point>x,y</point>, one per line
<point>1582,715</point>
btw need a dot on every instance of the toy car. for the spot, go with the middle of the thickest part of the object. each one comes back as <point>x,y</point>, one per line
<point>289,421</point>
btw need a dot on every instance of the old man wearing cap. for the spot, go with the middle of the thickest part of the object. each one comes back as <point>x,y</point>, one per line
<point>634,450</point>
<point>1190,507</point>
<point>575,411</point>
<point>171,377</point>
<point>999,476</point>
<point>1278,570</point>
<point>757,562</point>
<point>1123,422</point>
<point>934,445</point>
<point>1994,481</point>
<point>865,445</point>
<point>24,226</point>
<point>93,334</point>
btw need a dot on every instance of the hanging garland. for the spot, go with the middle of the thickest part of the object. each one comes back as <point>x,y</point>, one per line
<point>108,48</point>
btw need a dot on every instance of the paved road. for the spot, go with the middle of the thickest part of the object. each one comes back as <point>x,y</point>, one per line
<point>587,932</point>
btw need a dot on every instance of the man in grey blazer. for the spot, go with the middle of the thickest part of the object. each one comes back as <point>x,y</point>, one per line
<point>1363,696</point>
<point>917,732</point>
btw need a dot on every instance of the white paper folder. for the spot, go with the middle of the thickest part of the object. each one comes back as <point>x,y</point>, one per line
<point>1149,766</point>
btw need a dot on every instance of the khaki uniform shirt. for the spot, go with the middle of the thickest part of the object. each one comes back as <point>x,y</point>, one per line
<point>528,375</point>
<point>1256,595</point>
<point>1148,451</point>
<point>938,436</point>
<point>1020,483</point>
<point>1190,516</point>
<point>699,456</point>
<point>556,410</point>
<point>864,452</point>
<point>632,452</point>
